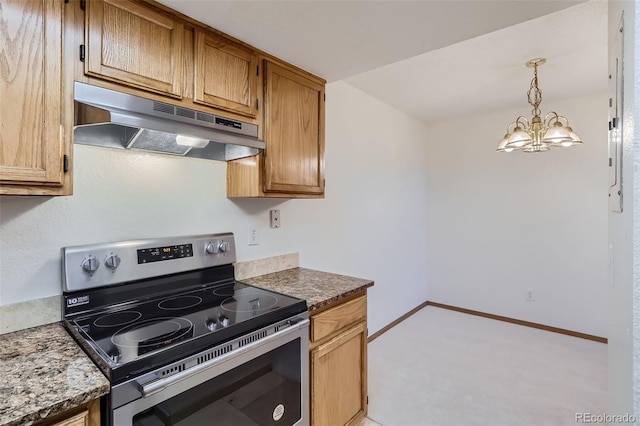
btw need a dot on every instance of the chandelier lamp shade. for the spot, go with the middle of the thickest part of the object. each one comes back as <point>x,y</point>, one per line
<point>538,135</point>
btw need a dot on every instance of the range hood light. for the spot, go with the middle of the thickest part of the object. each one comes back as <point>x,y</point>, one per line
<point>192,142</point>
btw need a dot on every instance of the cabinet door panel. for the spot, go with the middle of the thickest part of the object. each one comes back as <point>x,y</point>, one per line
<point>31,141</point>
<point>338,378</point>
<point>135,45</point>
<point>294,124</point>
<point>77,420</point>
<point>225,74</point>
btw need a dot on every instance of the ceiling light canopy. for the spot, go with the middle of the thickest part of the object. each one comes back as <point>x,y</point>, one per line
<point>538,135</point>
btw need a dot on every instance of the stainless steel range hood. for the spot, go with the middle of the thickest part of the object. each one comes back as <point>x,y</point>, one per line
<point>118,120</point>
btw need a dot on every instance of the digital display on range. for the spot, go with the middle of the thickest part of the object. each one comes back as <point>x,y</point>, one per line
<point>158,254</point>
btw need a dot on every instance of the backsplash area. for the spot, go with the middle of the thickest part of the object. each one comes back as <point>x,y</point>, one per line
<point>267,265</point>
<point>32,313</point>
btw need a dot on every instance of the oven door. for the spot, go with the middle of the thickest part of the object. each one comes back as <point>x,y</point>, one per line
<point>265,382</point>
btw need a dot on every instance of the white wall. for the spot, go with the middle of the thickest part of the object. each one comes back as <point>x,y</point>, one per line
<point>373,215</point>
<point>501,223</point>
<point>621,235</point>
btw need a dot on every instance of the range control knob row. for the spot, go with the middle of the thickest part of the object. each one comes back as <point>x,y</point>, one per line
<point>217,247</point>
<point>90,264</point>
<point>112,261</point>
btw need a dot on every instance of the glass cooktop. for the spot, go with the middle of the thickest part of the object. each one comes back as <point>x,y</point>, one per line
<point>127,333</point>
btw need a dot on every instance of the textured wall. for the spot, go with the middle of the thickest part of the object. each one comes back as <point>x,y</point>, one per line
<point>502,223</point>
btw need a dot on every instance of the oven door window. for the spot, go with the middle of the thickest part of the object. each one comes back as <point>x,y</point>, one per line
<point>264,391</point>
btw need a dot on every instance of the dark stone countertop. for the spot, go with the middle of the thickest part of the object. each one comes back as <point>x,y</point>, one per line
<point>44,372</point>
<point>318,288</point>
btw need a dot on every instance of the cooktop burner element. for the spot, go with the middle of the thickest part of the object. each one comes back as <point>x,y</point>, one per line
<point>165,299</point>
<point>180,302</point>
<point>117,318</point>
<point>149,335</point>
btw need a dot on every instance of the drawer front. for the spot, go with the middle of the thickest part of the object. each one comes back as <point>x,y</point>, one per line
<point>334,319</point>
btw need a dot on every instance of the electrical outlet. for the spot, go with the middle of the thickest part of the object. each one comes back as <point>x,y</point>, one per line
<point>275,218</point>
<point>529,295</point>
<point>254,237</point>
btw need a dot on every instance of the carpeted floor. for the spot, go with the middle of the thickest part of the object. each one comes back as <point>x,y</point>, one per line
<point>441,367</point>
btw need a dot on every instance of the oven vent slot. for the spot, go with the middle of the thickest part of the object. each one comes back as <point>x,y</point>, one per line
<point>172,370</point>
<point>214,354</point>
<point>256,336</point>
<point>282,325</point>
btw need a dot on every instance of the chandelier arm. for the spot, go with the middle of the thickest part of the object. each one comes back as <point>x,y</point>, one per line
<point>524,119</point>
<point>563,118</point>
<point>550,115</point>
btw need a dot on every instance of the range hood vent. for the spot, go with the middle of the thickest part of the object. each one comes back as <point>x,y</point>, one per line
<point>118,120</point>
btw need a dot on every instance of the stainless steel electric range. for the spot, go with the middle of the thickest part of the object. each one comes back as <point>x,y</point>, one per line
<point>181,341</point>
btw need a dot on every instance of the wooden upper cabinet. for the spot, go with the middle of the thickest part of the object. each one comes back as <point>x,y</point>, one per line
<point>225,74</point>
<point>32,138</point>
<point>135,45</point>
<point>294,131</point>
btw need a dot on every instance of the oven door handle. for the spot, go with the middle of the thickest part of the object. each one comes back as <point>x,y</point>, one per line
<point>156,386</point>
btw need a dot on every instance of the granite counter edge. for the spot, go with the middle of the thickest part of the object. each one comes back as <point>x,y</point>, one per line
<point>334,300</point>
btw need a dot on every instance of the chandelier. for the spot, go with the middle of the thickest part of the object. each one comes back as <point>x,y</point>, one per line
<point>538,135</point>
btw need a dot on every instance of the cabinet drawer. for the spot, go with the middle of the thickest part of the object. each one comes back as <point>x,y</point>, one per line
<point>334,319</point>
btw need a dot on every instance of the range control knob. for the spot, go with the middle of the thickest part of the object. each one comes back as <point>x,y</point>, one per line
<point>223,320</point>
<point>223,246</point>
<point>90,264</point>
<point>112,261</point>
<point>211,248</point>
<point>211,324</point>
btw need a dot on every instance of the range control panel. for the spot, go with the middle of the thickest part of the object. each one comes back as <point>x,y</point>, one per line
<point>98,265</point>
<point>158,254</point>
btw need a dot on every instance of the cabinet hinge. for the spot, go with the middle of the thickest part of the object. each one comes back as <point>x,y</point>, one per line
<point>257,69</point>
<point>367,399</point>
<point>257,104</point>
<point>65,163</point>
<point>325,97</point>
<point>83,4</point>
<point>82,53</point>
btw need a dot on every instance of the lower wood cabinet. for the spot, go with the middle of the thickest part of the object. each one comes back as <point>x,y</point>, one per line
<point>338,359</point>
<point>86,415</point>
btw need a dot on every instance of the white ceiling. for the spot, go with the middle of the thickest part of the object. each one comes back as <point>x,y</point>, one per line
<point>465,55</point>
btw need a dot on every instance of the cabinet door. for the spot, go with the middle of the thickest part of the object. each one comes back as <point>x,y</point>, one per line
<point>135,45</point>
<point>294,132</point>
<point>226,74</point>
<point>339,378</point>
<point>81,419</point>
<point>31,140</point>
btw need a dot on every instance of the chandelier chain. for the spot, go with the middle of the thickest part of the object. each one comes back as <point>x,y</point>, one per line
<point>536,92</point>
